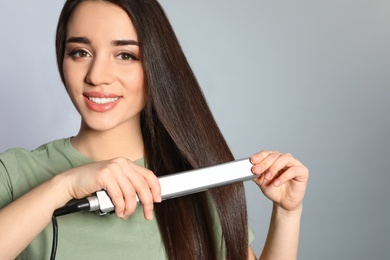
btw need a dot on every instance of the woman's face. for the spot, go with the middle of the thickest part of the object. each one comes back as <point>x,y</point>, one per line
<point>102,70</point>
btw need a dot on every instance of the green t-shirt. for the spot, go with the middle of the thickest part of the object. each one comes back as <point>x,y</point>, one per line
<point>83,235</point>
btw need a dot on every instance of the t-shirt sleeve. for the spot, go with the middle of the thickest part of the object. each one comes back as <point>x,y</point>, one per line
<point>251,235</point>
<point>6,193</point>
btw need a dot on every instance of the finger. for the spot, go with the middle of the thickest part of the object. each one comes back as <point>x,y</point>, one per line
<point>258,157</point>
<point>119,187</point>
<point>129,195</point>
<point>145,196</point>
<point>152,180</point>
<point>297,173</point>
<point>143,191</point>
<point>115,193</point>
<point>148,189</point>
<point>267,159</point>
<point>137,180</point>
<point>259,180</point>
<point>282,162</point>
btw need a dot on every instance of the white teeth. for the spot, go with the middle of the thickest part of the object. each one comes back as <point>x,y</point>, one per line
<point>102,100</point>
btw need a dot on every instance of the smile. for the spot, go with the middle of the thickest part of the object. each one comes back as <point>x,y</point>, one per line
<point>101,101</point>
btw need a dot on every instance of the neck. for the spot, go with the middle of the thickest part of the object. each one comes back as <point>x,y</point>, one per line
<point>109,144</point>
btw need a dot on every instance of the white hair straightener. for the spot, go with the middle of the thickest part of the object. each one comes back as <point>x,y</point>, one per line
<point>173,185</point>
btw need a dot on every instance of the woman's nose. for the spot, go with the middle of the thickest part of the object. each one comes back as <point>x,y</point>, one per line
<point>100,72</point>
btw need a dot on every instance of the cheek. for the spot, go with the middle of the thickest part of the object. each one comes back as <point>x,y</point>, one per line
<point>135,84</point>
<point>70,81</point>
<point>142,89</point>
<point>66,72</point>
<point>140,95</point>
<point>143,92</point>
<point>72,76</point>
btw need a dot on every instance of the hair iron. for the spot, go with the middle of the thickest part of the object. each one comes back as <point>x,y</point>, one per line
<point>172,186</point>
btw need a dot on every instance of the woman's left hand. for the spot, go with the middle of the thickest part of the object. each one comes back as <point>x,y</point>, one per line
<point>281,177</point>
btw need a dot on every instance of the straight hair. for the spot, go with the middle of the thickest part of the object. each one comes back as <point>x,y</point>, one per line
<point>180,133</point>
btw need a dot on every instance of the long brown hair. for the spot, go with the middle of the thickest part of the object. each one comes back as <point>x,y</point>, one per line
<point>179,133</point>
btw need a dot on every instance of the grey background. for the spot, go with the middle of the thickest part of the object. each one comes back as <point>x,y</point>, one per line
<point>308,77</point>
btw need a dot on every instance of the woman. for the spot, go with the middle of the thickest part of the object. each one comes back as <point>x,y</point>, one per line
<point>140,106</point>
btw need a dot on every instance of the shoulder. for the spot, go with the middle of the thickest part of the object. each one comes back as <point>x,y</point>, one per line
<point>59,155</point>
<point>60,143</point>
<point>15,162</point>
<point>18,156</point>
<point>22,169</point>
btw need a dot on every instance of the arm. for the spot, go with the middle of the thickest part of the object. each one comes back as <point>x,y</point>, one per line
<point>22,220</point>
<point>282,179</point>
<point>283,235</point>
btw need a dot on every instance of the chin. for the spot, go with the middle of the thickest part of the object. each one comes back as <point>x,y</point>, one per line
<point>99,126</point>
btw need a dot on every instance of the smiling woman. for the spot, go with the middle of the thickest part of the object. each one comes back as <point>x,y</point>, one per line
<point>102,71</point>
<point>143,116</point>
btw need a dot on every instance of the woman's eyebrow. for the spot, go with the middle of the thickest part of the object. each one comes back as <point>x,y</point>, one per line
<point>124,42</point>
<point>115,42</point>
<point>78,40</point>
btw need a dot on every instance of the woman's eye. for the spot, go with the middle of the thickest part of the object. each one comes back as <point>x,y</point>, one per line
<point>79,54</point>
<point>127,56</point>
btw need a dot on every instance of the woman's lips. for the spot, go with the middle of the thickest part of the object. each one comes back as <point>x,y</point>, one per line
<point>101,101</point>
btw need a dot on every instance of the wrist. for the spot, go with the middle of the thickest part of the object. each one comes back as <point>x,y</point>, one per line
<point>296,213</point>
<point>57,184</point>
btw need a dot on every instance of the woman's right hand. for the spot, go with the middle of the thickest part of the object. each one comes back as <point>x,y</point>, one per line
<point>122,179</point>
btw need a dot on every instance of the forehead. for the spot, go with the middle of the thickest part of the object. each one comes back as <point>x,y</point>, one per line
<point>100,19</point>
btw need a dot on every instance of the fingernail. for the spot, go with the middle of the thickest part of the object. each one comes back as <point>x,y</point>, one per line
<point>149,215</point>
<point>277,183</point>
<point>258,168</point>
<point>122,216</point>
<point>268,175</point>
<point>253,159</point>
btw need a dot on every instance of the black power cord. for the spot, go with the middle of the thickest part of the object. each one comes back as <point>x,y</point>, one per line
<point>73,206</point>
<point>55,238</point>
<point>100,202</point>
